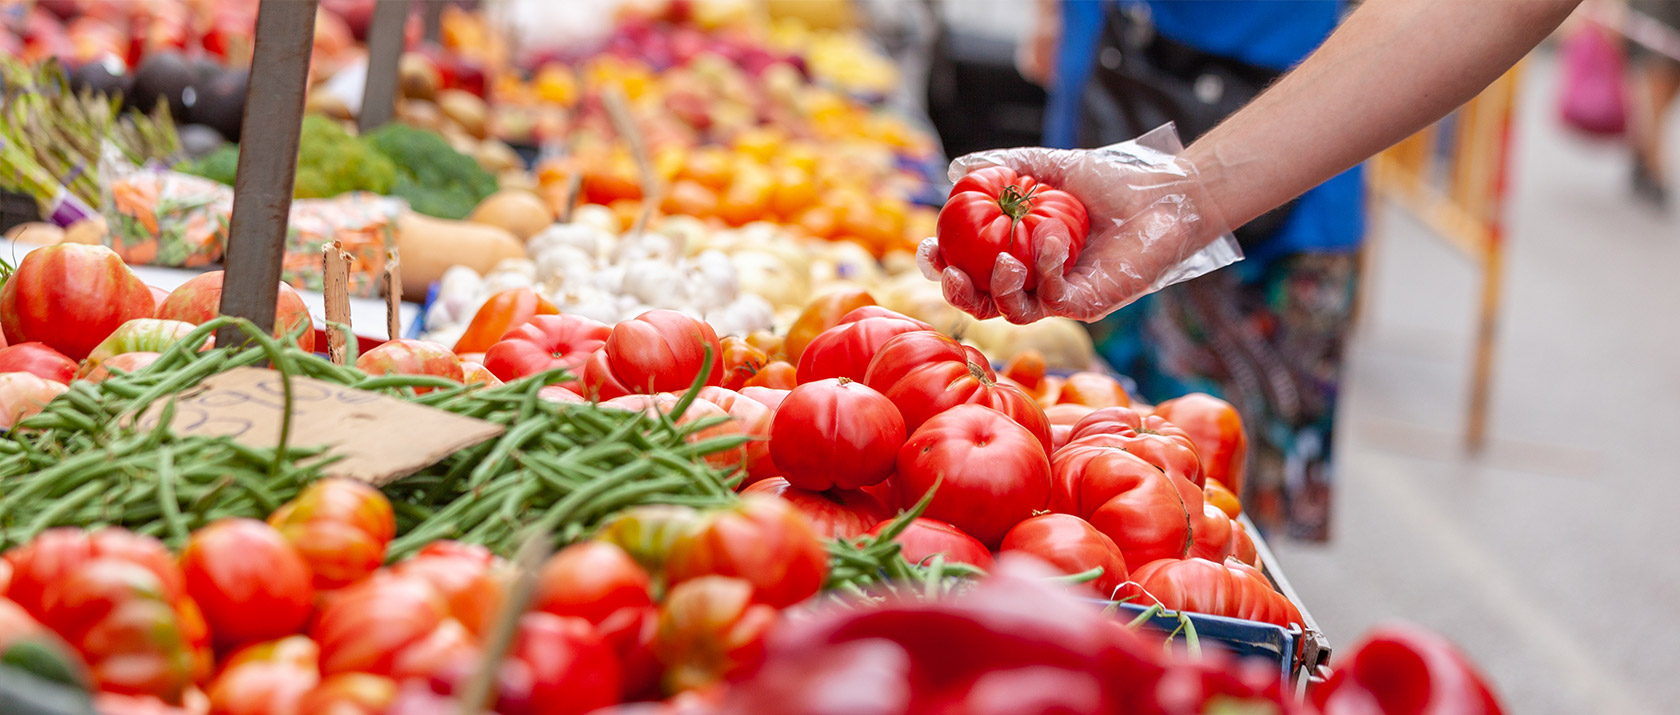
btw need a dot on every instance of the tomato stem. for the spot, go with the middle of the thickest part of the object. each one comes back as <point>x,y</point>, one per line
<point>1015,204</point>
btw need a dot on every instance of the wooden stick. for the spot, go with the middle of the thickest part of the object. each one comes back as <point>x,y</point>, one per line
<point>574,187</point>
<point>618,110</point>
<point>393,295</point>
<point>529,560</point>
<point>335,265</point>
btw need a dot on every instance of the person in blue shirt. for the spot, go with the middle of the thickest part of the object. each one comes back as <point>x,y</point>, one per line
<point>1266,333</point>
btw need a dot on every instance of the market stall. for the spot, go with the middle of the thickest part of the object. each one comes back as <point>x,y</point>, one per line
<point>674,423</point>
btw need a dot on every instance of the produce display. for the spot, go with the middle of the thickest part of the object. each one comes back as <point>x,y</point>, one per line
<point>746,458</point>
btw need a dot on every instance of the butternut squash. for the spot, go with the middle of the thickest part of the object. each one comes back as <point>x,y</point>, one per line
<point>429,246</point>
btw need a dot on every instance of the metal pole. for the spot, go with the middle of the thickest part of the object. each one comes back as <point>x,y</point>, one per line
<point>385,48</point>
<point>262,187</point>
<point>432,19</point>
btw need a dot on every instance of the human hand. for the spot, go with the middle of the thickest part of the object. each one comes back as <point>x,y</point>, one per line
<point>1151,225</point>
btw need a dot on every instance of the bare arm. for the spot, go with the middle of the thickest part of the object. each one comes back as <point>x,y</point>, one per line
<point>1391,69</point>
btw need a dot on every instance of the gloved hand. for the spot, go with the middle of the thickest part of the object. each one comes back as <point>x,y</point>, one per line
<point>1152,225</point>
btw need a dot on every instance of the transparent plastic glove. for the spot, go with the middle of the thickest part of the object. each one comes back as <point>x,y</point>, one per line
<point>1152,225</point>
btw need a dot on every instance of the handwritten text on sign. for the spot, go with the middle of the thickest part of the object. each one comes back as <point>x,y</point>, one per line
<point>380,438</point>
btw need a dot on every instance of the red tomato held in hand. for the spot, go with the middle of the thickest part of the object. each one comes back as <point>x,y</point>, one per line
<point>411,357</point>
<point>199,300</point>
<point>547,342</point>
<point>250,582</point>
<point>1216,429</point>
<point>845,350</point>
<point>1072,545</point>
<point>994,210</point>
<point>925,374</point>
<point>37,359</point>
<point>572,670</point>
<point>992,473</point>
<point>70,296</point>
<point>24,395</point>
<point>591,580</point>
<point>926,537</point>
<point>503,312</point>
<point>1141,508</point>
<point>710,628</point>
<point>835,514</point>
<point>762,540</point>
<point>835,433</point>
<point>663,351</point>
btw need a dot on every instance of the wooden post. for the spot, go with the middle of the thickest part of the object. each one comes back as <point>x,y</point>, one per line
<point>385,48</point>
<point>393,295</point>
<point>618,110</point>
<point>262,186</point>
<point>335,292</point>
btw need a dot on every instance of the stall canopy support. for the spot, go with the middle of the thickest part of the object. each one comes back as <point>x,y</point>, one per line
<point>262,199</point>
<point>385,48</point>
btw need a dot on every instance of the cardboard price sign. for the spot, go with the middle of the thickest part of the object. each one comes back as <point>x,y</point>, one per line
<point>380,438</point>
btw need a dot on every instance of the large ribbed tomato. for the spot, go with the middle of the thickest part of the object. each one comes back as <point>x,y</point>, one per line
<point>835,514</point>
<point>762,540</point>
<point>663,351</point>
<point>835,433</point>
<point>1144,510</point>
<point>1216,429</point>
<point>199,300</point>
<point>991,472</point>
<point>546,342</point>
<point>925,373</point>
<point>37,359</point>
<point>1229,588</point>
<point>994,210</point>
<point>591,580</point>
<point>924,538</point>
<point>1156,440</point>
<point>24,394</point>
<point>754,419</point>
<point>411,357</point>
<point>70,296</point>
<point>820,314</point>
<point>845,350</point>
<point>251,583</point>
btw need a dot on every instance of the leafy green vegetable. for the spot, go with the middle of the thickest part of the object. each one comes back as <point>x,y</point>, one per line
<point>219,165</point>
<point>330,162</point>
<point>434,178</point>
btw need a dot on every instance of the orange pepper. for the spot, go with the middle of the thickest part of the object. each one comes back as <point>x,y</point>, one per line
<point>741,361</point>
<point>504,311</point>
<point>778,374</point>
<point>821,314</point>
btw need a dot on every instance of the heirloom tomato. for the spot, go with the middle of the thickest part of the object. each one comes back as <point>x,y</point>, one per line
<point>1156,440</point>
<point>140,335</point>
<point>24,395</point>
<point>1212,534</point>
<point>126,363</point>
<point>269,678</point>
<point>991,472</point>
<point>1400,668</point>
<point>925,373</point>
<point>1144,510</point>
<point>591,580</point>
<point>647,532</point>
<point>1216,494</point>
<point>776,375</point>
<point>70,296</point>
<point>1026,369</point>
<point>770,397</point>
<point>340,527</point>
<point>846,349</point>
<point>754,419</point>
<point>994,210</point>
<point>1229,588</point>
<point>924,538</point>
<point>250,582</point>
<point>835,433</point>
<point>362,629</point>
<point>475,373</point>
<point>1242,545</point>
<point>1071,545</point>
<point>37,359</point>
<point>546,342</point>
<point>821,314</point>
<point>835,514</point>
<point>53,554</point>
<point>698,409</point>
<point>630,632</point>
<point>118,616</point>
<point>199,300</point>
<point>556,393</point>
<point>1216,429</point>
<point>710,628</point>
<point>406,356</point>
<point>762,540</point>
<point>472,588</point>
<point>663,351</point>
<point>503,312</point>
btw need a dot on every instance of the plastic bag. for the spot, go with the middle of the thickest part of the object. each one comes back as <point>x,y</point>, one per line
<point>365,226</point>
<point>159,217</point>
<point>1594,94</point>
<point>1151,225</point>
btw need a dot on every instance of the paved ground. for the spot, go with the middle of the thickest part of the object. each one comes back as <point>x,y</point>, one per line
<point>1550,557</point>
